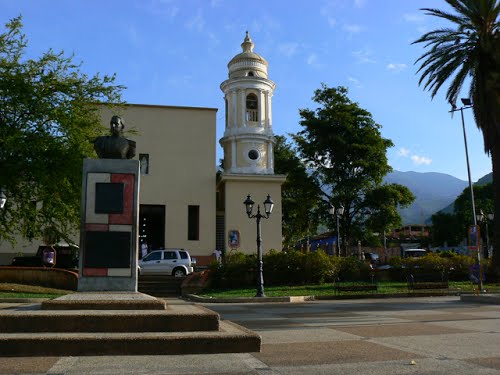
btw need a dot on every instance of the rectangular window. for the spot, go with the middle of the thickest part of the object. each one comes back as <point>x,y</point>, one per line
<point>193,223</point>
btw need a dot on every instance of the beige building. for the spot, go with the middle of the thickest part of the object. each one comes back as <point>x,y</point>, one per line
<point>182,202</point>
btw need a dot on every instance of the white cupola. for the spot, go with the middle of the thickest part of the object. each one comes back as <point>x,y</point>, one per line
<point>248,138</point>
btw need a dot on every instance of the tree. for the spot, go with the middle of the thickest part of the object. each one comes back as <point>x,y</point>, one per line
<point>483,200</point>
<point>342,145</point>
<point>48,121</point>
<point>446,228</point>
<point>300,194</point>
<point>469,49</point>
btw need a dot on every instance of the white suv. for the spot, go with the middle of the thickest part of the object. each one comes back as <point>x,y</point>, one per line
<point>175,262</point>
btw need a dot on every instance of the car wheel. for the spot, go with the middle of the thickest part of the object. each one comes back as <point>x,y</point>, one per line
<point>179,272</point>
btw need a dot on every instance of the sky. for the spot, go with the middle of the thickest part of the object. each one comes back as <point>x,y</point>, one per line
<point>169,52</point>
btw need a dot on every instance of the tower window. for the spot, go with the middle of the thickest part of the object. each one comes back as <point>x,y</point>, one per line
<point>252,102</point>
<point>252,107</point>
<point>250,74</point>
<point>253,154</point>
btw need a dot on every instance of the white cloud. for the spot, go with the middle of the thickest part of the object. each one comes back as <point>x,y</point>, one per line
<point>413,17</point>
<point>396,67</point>
<point>404,152</point>
<point>161,8</point>
<point>353,28</point>
<point>329,11</point>
<point>312,59</point>
<point>355,82</point>
<point>215,3</point>
<point>288,49</point>
<point>133,35</point>
<point>419,160</point>
<point>359,3</point>
<point>364,56</point>
<point>197,22</point>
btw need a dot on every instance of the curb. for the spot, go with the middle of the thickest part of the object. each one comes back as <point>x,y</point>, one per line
<point>297,299</point>
<point>197,298</point>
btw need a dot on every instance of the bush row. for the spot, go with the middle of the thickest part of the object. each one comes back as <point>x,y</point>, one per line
<point>296,268</point>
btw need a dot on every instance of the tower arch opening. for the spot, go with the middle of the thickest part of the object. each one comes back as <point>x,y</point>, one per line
<point>252,107</point>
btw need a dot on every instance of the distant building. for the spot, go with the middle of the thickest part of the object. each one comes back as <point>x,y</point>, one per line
<point>409,232</point>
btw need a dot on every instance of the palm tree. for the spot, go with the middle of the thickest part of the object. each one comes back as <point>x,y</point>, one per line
<point>471,49</point>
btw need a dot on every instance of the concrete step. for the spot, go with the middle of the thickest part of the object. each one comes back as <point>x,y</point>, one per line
<point>70,326</point>
<point>160,285</point>
<point>230,338</point>
<point>105,301</point>
<point>180,318</point>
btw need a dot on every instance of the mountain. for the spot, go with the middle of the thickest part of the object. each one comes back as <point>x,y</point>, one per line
<point>433,191</point>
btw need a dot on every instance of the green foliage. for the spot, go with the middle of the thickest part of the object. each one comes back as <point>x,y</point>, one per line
<point>454,266</point>
<point>295,267</point>
<point>483,201</point>
<point>48,121</point>
<point>300,194</point>
<point>237,270</point>
<point>280,268</point>
<point>446,228</point>
<point>343,146</point>
<point>353,269</point>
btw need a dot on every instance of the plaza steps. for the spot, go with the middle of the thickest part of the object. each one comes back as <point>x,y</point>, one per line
<point>61,327</point>
<point>160,286</point>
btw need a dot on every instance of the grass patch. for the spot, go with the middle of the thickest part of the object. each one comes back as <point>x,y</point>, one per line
<point>384,287</point>
<point>10,290</point>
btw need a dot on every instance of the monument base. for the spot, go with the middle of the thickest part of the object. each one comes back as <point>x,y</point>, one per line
<point>105,301</point>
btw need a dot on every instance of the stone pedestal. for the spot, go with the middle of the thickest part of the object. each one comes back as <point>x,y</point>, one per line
<point>109,223</point>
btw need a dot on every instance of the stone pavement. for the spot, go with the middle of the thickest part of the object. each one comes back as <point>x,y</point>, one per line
<point>427,335</point>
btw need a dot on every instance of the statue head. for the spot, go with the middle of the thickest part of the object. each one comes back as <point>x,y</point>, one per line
<point>116,125</point>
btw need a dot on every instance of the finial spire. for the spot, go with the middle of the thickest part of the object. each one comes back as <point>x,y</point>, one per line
<point>247,44</point>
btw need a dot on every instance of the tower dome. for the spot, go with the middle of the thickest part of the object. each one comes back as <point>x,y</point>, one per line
<point>247,63</point>
<point>248,138</point>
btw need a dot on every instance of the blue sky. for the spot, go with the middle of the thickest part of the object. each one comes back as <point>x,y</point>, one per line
<point>171,52</point>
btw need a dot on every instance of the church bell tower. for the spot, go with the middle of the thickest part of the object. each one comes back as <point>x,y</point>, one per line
<point>248,137</point>
<point>248,142</point>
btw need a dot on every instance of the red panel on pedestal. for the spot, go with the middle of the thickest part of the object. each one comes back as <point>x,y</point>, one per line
<point>127,217</point>
<point>95,272</point>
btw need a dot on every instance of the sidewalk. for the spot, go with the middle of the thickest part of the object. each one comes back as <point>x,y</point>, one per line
<point>428,335</point>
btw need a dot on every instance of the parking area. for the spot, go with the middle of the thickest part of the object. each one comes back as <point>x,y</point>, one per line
<point>434,335</point>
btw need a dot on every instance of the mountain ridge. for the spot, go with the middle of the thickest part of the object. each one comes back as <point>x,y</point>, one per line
<point>433,192</point>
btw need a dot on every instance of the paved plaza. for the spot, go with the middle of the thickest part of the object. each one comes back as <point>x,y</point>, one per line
<point>428,335</point>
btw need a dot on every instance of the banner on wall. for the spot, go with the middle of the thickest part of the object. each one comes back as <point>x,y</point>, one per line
<point>234,239</point>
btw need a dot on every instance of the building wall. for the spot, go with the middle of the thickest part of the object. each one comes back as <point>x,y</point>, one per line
<point>236,188</point>
<point>181,143</point>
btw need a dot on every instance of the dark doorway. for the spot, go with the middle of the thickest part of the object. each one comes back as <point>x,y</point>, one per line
<point>152,225</point>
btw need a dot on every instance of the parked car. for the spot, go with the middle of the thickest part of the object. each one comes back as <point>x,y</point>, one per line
<point>373,258</point>
<point>66,256</point>
<point>175,262</point>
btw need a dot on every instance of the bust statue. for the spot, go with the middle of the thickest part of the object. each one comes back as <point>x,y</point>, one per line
<point>115,146</point>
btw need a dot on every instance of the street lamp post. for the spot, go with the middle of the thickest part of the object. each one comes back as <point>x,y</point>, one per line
<point>338,212</point>
<point>468,104</point>
<point>268,208</point>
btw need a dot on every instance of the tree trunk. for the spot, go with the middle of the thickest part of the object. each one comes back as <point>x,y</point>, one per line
<point>495,160</point>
